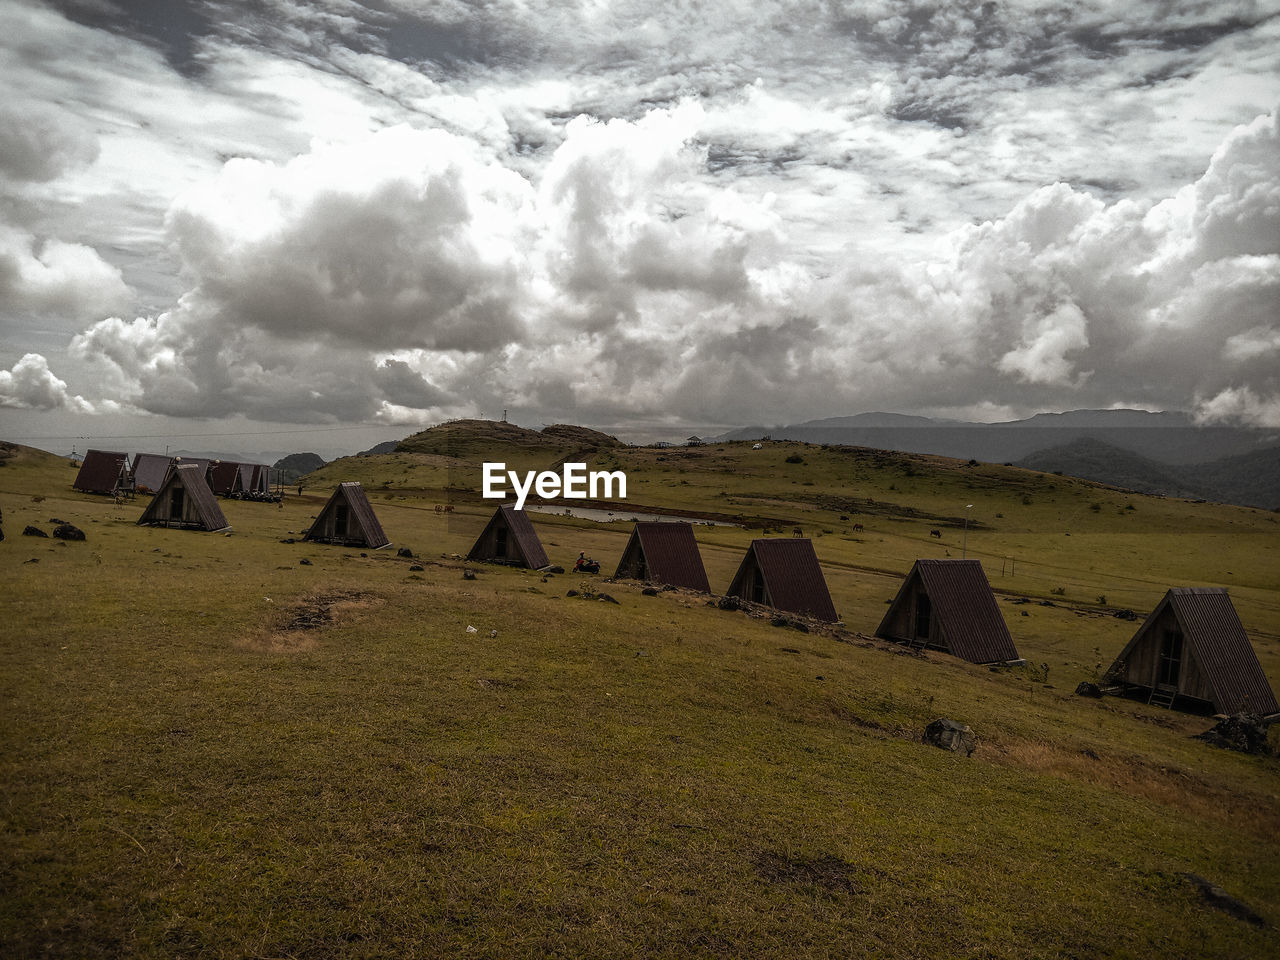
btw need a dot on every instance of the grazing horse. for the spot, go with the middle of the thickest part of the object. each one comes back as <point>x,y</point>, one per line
<point>797,532</point>
<point>439,509</point>
<point>936,533</point>
<point>449,508</point>
<point>857,528</point>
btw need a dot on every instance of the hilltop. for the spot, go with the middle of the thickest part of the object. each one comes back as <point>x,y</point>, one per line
<point>214,748</point>
<point>460,438</point>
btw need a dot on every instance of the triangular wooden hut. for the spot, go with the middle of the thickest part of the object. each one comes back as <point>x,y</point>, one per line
<point>149,471</point>
<point>664,553</point>
<point>103,471</point>
<point>348,520</point>
<point>184,500</point>
<point>254,479</point>
<point>1193,647</point>
<point>948,605</point>
<point>224,477</point>
<point>785,575</point>
<point>509,538</point>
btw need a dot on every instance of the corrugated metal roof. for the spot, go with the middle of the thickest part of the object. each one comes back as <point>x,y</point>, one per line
<point>190,477</point>
<point>149,470</point>
<point>966,610</point>
<point>792,576</point>
<point>1212,630</point>
<point>670,554</point>
<point>521,531</point>
<point>223,476</point>
<point>527,538</point>
<point>101,471</point>
<point>363,528</point>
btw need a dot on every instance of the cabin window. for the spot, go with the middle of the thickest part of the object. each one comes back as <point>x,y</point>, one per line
<point>500,542</point>
<point>924,616</point>
<point>340,520</point>
<point>176,503</point>
<point>1170,662</point>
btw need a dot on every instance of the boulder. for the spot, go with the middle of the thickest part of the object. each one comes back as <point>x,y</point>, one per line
<point>729,603</point>
<point>68,531</point>
<point>30,531</point>
<point>949,735</point>
<point>405,552</point>
<point>555,568</point>
<point>468,574</point>
<point>1087,689</point>
<point>1245,732</point>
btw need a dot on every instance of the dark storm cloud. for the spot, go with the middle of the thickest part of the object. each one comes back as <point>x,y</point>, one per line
<point>680,211</point>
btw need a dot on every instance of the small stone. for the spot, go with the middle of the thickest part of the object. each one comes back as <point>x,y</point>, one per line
<point>304,562</point>
<point>416,567</point>
<point>30,531</point>
<point>468,574</point>
<point>649,592</point>
<point>405,552</point>
<point>68,531</point>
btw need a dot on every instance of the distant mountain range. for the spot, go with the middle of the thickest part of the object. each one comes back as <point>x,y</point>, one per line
<point>1164,453</point>
<point>1250,479</point>
<point>1163,437</point>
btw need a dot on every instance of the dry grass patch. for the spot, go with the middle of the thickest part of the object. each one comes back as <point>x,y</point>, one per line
<point>295,627</point>
<point>1167,785</point>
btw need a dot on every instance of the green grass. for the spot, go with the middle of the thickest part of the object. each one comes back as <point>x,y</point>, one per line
<point>184,775</point>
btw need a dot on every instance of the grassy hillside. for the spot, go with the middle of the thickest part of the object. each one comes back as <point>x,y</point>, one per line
<point>211,748</point>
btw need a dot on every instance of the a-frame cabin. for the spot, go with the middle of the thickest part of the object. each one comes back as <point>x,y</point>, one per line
<point>509,538</point>
<point>948,605</point>
<point>1193,649</point>
<point>103,471</point>
<point>184,500</point>
<point>665,553</point>
<point>785,575</point>
<point>348,520</point>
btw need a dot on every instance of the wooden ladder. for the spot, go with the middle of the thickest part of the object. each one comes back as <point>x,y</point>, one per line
<point>1162,695</point>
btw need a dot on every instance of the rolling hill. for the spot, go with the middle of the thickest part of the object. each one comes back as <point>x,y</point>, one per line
<point>245,745</point>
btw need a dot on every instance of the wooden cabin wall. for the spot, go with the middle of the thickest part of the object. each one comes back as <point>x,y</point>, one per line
<point>632,565</point>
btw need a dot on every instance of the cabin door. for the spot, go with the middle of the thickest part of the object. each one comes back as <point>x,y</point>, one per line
<point>1169,666</point>
<point>924,616</point>
<point>500,543</point>
<point>176,503</point>
<point>339,519</point>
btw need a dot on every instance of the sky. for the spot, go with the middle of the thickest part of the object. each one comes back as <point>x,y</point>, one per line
<point>287,225</point>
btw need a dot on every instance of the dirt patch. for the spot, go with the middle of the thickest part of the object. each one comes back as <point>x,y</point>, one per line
<point>296,627</point>
<point>829,871</point>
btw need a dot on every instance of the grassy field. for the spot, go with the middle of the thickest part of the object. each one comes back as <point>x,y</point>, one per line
<point>213,749</point>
